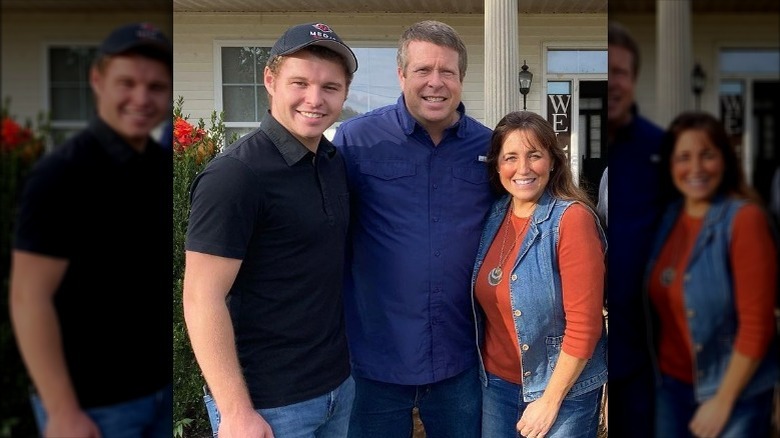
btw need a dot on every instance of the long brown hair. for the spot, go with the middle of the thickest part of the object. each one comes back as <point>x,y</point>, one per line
<point>561,184</point>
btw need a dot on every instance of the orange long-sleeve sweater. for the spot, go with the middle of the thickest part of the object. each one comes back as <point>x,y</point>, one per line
<point>581,262</point>
<point>753,260</point>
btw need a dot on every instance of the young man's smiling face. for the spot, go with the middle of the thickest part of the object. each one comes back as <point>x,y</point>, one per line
<point>307,95</point>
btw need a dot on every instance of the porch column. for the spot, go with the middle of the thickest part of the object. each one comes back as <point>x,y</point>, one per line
<point>502,92</point>
<point>673,65</point>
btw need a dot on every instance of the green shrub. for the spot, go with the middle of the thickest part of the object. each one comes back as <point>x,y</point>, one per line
<point>193,147</point>
<point>20,148</point>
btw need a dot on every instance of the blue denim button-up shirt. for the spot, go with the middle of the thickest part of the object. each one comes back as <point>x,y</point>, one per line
<point>417,214</point>
<point>535,287</point>
<point>709,293</point>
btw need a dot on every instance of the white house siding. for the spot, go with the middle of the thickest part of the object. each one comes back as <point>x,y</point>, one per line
<point>26,35</point>
<point>710,33</point>
<point>195,35</point>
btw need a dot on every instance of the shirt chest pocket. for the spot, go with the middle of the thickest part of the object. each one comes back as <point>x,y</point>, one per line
<point>387,170</point>
<point>388,178</point>
<point>470,176</point>
<point>469,185</point>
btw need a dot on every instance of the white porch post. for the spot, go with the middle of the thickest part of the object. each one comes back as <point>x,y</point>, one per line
<point>502,93</point>
<point>673,66</point>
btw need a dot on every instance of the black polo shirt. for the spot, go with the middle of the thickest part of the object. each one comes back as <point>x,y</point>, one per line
<point>283,210</point>
<point>107,209</point>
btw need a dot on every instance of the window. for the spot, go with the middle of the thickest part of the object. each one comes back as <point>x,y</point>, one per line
<point>576,61</point>
<point>750,61</point>
<point>244,98</point>
<point>71,103</point>
<point>375,83</point>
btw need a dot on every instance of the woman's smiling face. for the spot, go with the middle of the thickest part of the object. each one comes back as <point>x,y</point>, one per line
<point>697,168</point>
<point>524,168</point>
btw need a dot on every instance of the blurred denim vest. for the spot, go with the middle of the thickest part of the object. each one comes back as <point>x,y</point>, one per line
<point>536,295</point>
<point>709,300</point>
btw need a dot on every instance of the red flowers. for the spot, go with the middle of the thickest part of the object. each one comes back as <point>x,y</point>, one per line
<point>185,135</point>
<point>13,135</point>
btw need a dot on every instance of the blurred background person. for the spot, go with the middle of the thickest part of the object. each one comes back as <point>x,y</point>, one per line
<point>633,197</point>
<point>712,283</point>
<point>91,263</point>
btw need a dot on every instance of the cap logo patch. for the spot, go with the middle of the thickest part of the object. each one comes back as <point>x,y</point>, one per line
<point>320,36</point>
<point>147,31</point>
<point>322,27</point>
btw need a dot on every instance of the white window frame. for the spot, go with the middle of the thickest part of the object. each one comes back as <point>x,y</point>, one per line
<point>217,56</point>
<point>46,74</point>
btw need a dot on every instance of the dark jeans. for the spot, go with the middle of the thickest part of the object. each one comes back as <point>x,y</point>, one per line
<point>448,409</point>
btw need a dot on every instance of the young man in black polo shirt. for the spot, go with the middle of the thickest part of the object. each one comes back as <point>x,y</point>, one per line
<point>91,263</point>
<point>265,254</point>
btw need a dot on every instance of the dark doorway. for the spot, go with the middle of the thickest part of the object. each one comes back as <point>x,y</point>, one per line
<point>593,135</point>
<point>766,133</point>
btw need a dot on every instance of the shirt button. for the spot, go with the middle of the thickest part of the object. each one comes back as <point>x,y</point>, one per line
<point>518,313</point>
<point>690,313</point>
<point>437,253</point>
<point>435,186</point>
<point>698,347</point>
<point>526,374</point>
<point>436,219</point>
<point>524,347</point>
<point>514,277</point>
<point>687,277</point>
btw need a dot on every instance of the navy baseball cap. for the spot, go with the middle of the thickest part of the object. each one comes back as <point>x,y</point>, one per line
<point>137,36</point>
<point>313,34</point>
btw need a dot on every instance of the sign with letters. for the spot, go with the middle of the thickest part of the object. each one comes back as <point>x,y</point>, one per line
<point>559,116</point>
<point>732,114</point>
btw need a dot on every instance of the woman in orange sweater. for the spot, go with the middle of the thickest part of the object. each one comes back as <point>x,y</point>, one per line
<point>539,282</point>
<point>711,282</point>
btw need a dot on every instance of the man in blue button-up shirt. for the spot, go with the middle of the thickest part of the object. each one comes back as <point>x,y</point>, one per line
<point>635,207</point>
<point>420,194</point>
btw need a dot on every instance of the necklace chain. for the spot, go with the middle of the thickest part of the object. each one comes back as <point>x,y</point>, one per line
<point>669,273</point>
<point>495,274</point>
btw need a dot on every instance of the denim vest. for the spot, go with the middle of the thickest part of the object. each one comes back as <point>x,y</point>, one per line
<point>537,300</point>
<point>708,295</point>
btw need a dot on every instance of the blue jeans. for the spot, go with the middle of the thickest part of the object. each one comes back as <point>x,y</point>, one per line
<point>503,405</point>
<point>326,416</point>
<point>676,405</point>
<point>449,408</point>
<point>147,417</point>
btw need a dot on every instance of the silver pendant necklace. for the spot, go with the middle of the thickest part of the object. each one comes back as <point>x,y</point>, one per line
<point>496,274</point>
<point>669,273</point>
<point>667,276</point>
